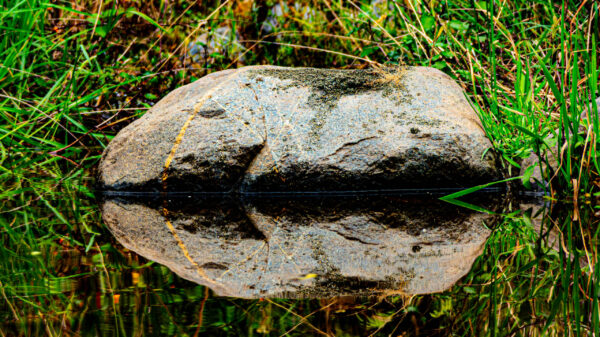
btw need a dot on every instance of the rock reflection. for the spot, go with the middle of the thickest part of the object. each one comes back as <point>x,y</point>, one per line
<point>301,248</point>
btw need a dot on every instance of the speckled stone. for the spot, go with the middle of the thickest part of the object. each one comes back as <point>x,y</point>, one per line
<point>267,128</point>
<point>306,248</point>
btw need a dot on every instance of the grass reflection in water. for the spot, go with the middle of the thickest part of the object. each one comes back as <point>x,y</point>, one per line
<point>533,278</point>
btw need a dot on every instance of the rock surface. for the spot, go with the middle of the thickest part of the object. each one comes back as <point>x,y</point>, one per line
<point>589,110</point>
<point>267,128</point>
<point>306,248</point>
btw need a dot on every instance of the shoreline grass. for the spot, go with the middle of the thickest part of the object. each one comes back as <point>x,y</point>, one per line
<point>73,74</point>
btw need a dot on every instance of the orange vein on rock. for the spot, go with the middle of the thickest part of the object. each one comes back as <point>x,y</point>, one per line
<point>186,125</point>
<point>183,248</point>
<point>165,175</point>
<point>178,140</point>
<point>181,133</point>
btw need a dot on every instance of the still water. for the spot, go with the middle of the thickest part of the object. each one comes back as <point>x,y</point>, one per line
<point>306,248</point>
<point>336,266</point>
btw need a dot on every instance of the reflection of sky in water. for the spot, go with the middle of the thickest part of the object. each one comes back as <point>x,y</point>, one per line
<point>306,247</point>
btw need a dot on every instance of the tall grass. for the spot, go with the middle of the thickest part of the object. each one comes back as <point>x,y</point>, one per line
<point>73,74</point>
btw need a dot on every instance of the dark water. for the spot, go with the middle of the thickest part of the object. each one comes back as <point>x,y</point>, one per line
<point>337,266</point>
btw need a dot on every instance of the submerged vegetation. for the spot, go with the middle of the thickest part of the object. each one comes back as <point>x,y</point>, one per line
<point>74,73</point>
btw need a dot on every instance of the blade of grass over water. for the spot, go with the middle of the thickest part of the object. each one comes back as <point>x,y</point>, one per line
<point>473,189</point>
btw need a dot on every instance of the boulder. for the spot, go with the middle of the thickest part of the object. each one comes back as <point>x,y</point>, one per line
<point>270,129</point>
<point>306,248</point>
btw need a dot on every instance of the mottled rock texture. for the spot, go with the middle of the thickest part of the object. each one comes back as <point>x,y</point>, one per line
<point>267,128</point>
<point>306,248</point>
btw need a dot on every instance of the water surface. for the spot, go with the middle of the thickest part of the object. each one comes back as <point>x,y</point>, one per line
<point>342,266</point>
<point>305,247</point>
